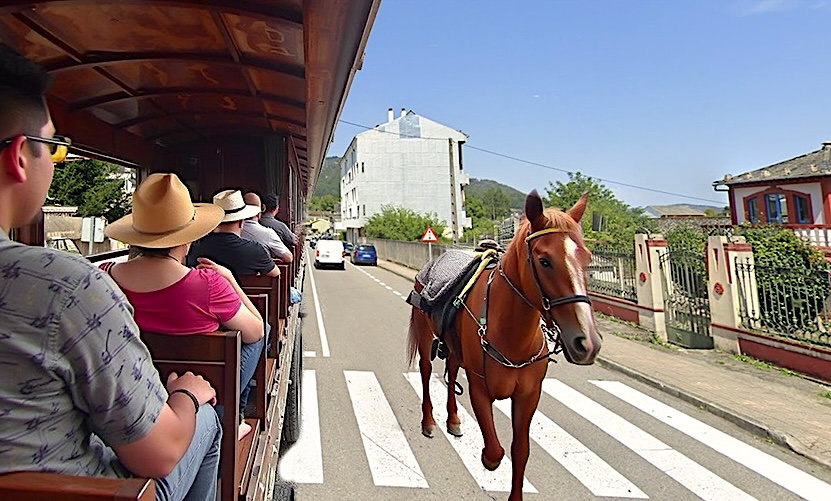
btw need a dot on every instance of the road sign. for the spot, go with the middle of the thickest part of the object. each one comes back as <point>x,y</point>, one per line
<point>429,236</point>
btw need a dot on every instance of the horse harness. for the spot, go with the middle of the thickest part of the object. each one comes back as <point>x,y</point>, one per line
<point>551,330</point>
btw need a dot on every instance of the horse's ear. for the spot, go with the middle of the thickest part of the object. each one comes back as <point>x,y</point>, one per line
<point>533,208</point>
<point>576,212</point>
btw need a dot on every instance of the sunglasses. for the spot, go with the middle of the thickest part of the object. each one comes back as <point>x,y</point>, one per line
<point>58,145</point>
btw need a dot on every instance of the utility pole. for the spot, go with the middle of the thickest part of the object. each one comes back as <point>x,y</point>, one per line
<point>454,213</point>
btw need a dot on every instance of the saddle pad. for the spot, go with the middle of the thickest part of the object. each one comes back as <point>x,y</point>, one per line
<point>441,274</point>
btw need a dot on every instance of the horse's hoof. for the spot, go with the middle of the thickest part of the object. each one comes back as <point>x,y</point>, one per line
<point>427,430</point>
<point>490,466</point>
<point>454,429</point>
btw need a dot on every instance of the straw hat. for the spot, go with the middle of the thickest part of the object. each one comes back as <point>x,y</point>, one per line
<point>163,215</point>
<point>234,206</point>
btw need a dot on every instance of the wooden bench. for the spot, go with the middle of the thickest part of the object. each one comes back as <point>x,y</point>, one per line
<point>286,279</point>
<point>214,356</point>
<point>264,373</point>
<point>261,284</point>
<point>34,486</point>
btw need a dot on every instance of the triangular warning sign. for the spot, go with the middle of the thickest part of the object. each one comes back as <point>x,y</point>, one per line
<point>429,236</point>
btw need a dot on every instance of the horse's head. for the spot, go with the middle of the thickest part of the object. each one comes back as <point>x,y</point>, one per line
<point>552,243</point>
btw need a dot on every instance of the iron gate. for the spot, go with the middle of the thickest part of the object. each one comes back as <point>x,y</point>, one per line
<point>686,299</point>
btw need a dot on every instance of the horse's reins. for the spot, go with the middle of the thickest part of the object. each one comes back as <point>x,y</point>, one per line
<point>546,303</point>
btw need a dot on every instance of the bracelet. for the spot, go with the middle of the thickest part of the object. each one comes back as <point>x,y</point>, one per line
<point>189,394</point>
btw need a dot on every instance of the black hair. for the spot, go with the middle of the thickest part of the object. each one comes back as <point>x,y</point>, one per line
<point>23,85</point>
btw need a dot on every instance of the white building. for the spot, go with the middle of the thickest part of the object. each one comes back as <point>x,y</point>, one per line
<point>411,162</point>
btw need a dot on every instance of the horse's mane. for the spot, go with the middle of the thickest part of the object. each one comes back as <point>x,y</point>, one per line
<point>556,219</point>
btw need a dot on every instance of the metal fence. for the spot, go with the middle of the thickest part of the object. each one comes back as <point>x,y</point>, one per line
<point>791,302</point>
<point>612,272</point>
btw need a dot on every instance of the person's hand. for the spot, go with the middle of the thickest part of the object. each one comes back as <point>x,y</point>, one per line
<point>207,264</point>
<point>199,386</point>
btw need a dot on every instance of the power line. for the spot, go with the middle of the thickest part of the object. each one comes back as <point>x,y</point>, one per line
<point>544,166</point>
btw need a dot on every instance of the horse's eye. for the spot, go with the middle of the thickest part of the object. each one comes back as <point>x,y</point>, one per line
<point>545,263</point>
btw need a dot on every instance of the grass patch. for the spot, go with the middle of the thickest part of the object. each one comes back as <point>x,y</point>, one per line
<point>827,395</point>
<point>626,336</point>
<point>759,364</point>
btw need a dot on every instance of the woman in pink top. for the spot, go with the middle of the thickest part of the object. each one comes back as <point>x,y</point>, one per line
<point>170,298</point>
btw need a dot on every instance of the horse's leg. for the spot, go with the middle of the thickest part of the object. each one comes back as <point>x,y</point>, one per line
<point>522,410</point>
<point>425,342</point>
<point>453,421</point>
<point>482,403</point>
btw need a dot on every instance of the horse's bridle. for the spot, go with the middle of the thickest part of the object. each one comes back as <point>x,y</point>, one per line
<point>546,304</point>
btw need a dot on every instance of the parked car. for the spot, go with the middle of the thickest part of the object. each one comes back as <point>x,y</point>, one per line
<point>330,253</point>
<point>365,254</point>
<point>347,247</point>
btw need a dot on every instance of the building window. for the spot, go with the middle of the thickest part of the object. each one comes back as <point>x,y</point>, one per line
<point>364,209</point>
<point>753,211</point>
<point>362,167</point>
<point>776,208</point>
<point>802,209</point>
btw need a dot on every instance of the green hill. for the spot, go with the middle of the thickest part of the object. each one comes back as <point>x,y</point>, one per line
<point>328,183</point>
<point>478,187</point>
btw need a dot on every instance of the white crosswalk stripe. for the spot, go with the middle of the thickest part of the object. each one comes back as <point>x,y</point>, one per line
<point>586,466</point>
<point>303,463</point>
<point>390,458</point>
<point>704,483</point>
<point>392,463</point>
<point>796,481</point>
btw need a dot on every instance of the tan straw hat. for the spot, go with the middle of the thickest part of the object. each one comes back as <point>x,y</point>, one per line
<point>234,206</point>
<point>163,215</point>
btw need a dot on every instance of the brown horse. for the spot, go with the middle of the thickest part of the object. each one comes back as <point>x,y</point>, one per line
<point>541,276</point>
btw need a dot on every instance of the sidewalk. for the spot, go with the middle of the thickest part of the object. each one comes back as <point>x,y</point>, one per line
<point>786,409</point>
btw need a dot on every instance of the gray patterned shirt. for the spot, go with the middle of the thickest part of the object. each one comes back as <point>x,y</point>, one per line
<point>75,379</point>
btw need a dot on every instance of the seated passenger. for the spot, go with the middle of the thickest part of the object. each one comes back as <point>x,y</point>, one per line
<point>225,246</point>
<point>252,230</point>
<point>170,298</point>
<point>79,394</point>
<point>270,208</point>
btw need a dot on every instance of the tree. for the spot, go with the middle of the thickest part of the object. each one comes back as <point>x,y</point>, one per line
<point>325,203</point>
<point>95,187</point>
<point>619,222</point>
<point>482,225</point>
<point>398,223</point>
<point>496,203</point>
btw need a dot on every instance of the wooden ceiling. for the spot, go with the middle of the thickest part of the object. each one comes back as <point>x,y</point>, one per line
<point>133,76</point>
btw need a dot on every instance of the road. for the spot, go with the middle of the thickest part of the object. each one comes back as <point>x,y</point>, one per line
<point>597,434</point>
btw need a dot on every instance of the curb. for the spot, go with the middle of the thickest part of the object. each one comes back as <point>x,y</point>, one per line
<point>740,420</point>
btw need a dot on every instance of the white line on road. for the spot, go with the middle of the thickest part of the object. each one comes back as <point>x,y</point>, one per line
<point>586,466</point>
<point>776,470</point>
<point>303,463</point>
<point>390,458</point>
<point>701,481</point>
<point>309,354</point>
<point>469,445</point>
<point>324,343</point>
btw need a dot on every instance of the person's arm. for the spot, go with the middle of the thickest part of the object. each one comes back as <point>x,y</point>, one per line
<point>275,272</point>
<point>157,453</point>
<point>276,247</point>
<point>247,319</point>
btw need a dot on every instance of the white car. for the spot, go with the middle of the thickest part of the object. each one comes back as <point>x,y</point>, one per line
<point>330,253</point>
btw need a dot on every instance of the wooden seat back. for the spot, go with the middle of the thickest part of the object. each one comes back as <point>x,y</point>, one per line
<point>214,356</point>
<point>261,284</point>
<point>286,280</point>
<point>35,486</point>
<point>262,374</point>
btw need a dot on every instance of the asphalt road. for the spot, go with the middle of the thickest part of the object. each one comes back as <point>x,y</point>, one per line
<point>598,434</point>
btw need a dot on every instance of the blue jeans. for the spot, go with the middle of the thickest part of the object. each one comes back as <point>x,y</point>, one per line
<point>194,477</point>
<point>249,355</point>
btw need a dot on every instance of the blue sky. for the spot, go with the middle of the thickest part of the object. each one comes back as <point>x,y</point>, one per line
<point>665,94</point>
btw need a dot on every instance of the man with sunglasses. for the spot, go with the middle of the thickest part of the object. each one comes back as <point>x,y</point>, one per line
<point>79,394</point>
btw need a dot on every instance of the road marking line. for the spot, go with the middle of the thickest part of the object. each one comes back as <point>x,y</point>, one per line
<point>390,458</point>
<point>309,354</point>
<point>324,343</point>
<point>303,463</point>
<point>701,481</point>
<point>777,471</point>
<point>469,445</point>
<point>388,287</point>
<point>396,293</point>
<point>586,466</point>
